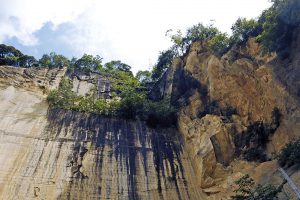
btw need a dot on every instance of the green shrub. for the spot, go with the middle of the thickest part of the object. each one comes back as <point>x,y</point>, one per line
<point>245,187</point>
<point>290,154</point>
<point>242,29</point>
<point>200,32</point>
<point>64,97</point>
<point>159,113</point>
<point>267,192</point>
<point>247,190</point>
<point>128,102</point>
<point>219,43</point>
<point>131,104</point>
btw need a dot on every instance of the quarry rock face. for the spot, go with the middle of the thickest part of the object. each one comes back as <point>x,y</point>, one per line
<point>58,154</point>
<point>228,105</point>
<point>33,79</point>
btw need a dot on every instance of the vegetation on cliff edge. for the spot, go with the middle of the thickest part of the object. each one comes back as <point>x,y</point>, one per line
<point>127,101</point>
<point>273,29</point>
<point>248,191</point>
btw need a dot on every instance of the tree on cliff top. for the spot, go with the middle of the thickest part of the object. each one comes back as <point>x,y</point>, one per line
<point>117,65</point>
<point>163,63</point>
<point>53,60</point>
<point>278,23</point>
<point>244,28</point>
<point>9,55</point>
<point>216,41</point>
<point>89,62</point>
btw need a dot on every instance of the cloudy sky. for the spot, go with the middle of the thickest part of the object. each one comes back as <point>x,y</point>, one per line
<point>129,30</point>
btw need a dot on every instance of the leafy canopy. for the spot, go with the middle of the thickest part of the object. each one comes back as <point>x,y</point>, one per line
<point>9,55</point>
<point>88,62</point>
<point>277,24</point>
<point>244,28</point>
<point>53,60</point>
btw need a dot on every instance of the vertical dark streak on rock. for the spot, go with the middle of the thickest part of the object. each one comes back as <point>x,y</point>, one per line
<point>100,164</point>
<point>125,140</point>
<point>181,170</point>
<point>157,161</point>
<point>168,148</point>
<point>108,186</point>
<point>100,140</point>
<point>131,157</point>
<point>143,136</point>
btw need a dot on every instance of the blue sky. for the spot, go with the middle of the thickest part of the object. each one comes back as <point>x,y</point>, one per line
<point>129,30</point>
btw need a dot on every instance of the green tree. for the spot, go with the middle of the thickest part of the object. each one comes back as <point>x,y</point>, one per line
<point>9,55</point>
<point>54,60</point>
<point>219,44</point>
<point>117,65</point>
<point>88,62</point>
<point>124,81</point>
<point>131,103</point>
<point>144,77</point>
<point>159,113</point>
<point>177,39</point>
<point>164,62</point>
<point>278,23</point>
<point>60,61</point>
<point>27,61</point>
<point>45,60</point>
<point>200,32</point>
<point>243,28</point>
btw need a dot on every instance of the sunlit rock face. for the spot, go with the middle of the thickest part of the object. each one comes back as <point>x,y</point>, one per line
<point>227,104</point>
<point>57,154</point>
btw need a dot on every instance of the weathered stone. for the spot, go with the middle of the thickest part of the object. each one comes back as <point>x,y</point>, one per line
<point>208,141</point>
<point>238,95</point>
<point>57,154</point>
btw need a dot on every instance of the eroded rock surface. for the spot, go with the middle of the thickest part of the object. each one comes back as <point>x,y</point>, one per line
<point>234,107</point>
<point>56,154</point>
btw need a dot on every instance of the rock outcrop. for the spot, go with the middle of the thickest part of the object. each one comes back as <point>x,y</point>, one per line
<point>232,109</point>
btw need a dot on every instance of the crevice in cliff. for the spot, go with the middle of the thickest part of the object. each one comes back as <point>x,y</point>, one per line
<point>209,106</point>
<point>252,143</point>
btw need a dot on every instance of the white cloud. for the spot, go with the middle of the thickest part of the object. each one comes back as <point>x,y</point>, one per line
<point>129,30</point>
<point>21,18</point>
